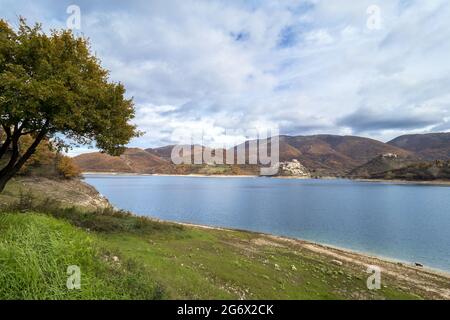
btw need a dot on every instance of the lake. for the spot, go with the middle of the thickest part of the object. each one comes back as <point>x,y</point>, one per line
<point>402,221</point>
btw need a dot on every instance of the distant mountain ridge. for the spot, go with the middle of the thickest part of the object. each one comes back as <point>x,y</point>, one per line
<point>133,160</point>
<point>322,155</point>
<point>429,146</point>
<point>333,154</point>
<point>162,152</point>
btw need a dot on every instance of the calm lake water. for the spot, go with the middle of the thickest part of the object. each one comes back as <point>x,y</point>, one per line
<point>404,222</point>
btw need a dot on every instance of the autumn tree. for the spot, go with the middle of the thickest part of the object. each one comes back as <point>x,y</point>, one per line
<point>67,168</point>
<point>53,88</point>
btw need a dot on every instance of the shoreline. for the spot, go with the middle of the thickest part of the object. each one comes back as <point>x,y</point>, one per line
<point>329,248</point>
<point>426,278</point>
<point>412,182</point>
<point>395,181</point>
<point>133,174</point>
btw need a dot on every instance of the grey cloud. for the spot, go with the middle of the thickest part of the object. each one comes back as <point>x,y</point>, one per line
<point>444,126</point>
<point>365,120</point>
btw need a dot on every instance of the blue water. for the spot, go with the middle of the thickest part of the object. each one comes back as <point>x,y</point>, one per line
<point>404,222</point>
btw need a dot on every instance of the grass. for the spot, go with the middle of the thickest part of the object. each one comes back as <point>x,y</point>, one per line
<point>122,256</point>
<point>205,264</point>
<point>36,250</point>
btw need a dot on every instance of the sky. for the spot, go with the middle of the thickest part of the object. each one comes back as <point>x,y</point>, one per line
<point>377,69</point>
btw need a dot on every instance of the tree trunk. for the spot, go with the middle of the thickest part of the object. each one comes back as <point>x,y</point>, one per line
<point>16,163</point>
<point>5,147</point>
<point>3,182</point>
<point>14,155</point>
<point>6,143</point>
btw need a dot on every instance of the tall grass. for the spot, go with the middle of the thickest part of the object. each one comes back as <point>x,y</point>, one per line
<point>36,250</point>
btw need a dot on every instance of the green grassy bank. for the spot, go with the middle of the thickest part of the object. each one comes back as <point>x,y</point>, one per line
<point>129,259</point>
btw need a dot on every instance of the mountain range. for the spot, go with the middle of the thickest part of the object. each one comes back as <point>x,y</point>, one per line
<point>322,155</point>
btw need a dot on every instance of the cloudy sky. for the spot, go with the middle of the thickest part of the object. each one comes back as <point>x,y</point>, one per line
<point>372,68</point>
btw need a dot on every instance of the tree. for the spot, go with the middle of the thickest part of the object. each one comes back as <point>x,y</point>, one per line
<point>53,88</point>
<point>67,168</point>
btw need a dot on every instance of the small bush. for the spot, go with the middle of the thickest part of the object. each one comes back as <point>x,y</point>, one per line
<point>67,168</point>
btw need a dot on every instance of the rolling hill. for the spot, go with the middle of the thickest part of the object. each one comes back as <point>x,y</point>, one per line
<point>379,165</point>
<point>133,160</point>
<point>419,171</point>
<point>162,152</point>
<point>431,146</point>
